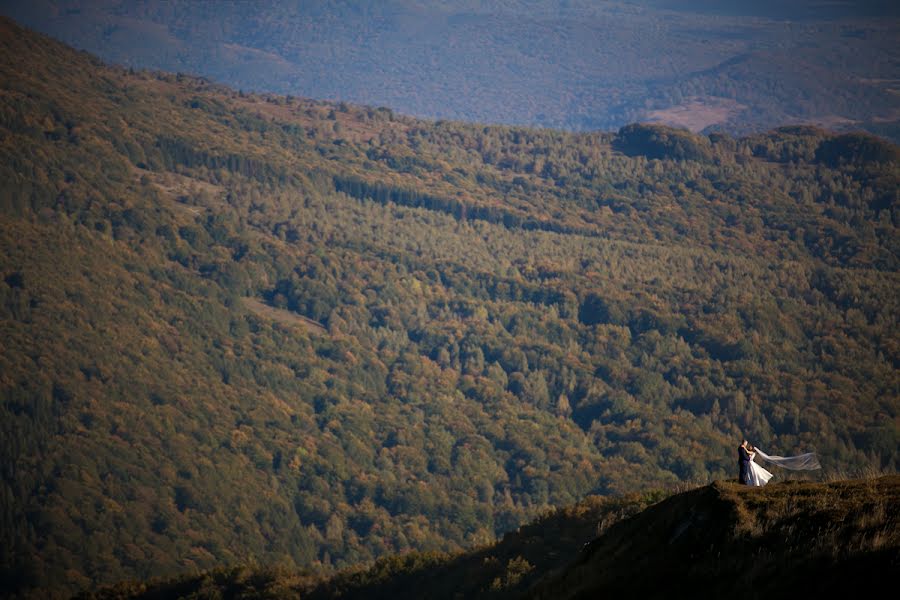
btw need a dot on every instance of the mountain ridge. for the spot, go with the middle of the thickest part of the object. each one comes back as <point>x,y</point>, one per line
<point>716,540</point>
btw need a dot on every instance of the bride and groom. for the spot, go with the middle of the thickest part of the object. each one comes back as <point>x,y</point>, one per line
<point>750,472</point>
<point>754,474</point>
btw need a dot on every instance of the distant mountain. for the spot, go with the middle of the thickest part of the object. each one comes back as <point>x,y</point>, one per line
<point>244,328</point>
<point>719,541</point>
<point>739,67</point>
<point>779,9</point>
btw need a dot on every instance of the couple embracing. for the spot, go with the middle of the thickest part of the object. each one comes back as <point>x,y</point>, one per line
<point>753,474</point>
<point>750,472</point>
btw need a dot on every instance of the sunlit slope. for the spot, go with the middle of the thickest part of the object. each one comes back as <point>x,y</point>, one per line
<point>241,328</point>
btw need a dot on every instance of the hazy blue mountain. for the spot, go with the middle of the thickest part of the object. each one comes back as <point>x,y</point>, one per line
<point>735,66</point>
<point>783,9</point>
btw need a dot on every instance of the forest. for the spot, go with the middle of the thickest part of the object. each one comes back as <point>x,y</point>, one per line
<point>250,328</point>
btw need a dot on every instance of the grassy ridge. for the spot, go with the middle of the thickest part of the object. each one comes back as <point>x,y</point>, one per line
<point>725,539</point>
<point>713,541</point>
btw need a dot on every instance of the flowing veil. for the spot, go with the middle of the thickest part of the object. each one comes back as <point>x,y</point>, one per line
<point>801,462</point>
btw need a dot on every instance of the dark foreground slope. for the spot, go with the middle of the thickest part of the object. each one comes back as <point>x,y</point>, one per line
<point>242,328</point>
<point>787,540</point>
<point>784,541</point>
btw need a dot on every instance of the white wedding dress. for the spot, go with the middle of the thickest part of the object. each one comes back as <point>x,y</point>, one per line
<point>758,476</point>
<point>803,462</point>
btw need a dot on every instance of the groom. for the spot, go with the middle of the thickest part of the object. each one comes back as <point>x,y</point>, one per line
<point>744,463</point>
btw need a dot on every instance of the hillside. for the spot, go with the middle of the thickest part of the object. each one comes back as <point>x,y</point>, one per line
<point>782,541</point>
<point>242,328</point>
<point>739,67</point>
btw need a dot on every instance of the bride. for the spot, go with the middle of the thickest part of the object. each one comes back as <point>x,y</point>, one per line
<point>760,477</point>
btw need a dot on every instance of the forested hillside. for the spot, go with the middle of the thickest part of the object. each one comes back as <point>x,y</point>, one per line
<point>243,328</point>
<point>735,66</point>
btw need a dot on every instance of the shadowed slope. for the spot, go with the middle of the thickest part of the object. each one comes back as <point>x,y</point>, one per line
<point>724,540</point>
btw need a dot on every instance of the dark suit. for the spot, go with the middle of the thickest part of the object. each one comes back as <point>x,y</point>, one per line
<point>744,465</point>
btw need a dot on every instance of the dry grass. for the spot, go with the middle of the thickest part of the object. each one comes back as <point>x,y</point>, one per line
<point>867,472</point>
<point>727,533</point>
<point>696,114</point>
<point>284,317</point>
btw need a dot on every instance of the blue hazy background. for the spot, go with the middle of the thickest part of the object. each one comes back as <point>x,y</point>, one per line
<point>701,64</point>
